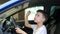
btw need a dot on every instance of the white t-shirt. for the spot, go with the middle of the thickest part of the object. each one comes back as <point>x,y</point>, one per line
<point>41,30</point>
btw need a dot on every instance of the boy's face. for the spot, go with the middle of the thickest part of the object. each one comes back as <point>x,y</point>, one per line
<point>39,18</point>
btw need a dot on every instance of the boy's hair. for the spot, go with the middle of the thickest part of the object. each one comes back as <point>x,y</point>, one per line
<point>44,14</point>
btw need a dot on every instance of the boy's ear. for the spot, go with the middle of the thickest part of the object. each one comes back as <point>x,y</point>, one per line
<point>44,19</point>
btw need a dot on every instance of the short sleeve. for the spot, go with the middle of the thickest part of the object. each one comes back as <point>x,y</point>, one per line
<point>33,27</point>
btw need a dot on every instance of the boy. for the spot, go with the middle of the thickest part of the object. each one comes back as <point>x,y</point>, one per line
<point>40,18</point>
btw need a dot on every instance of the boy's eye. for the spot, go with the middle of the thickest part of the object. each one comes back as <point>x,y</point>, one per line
<point>37,15</point>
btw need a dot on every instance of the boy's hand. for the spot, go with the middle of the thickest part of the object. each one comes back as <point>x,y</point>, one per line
<point>28,13</point>
<point>18,30</point>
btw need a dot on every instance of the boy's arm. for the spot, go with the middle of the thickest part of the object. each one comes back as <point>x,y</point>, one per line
<point>26,20</point>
